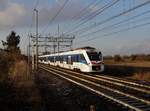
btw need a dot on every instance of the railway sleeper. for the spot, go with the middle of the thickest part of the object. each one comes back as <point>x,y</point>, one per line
<point>142,106</point>
<point>120,97</point>
<point>132,101</point>
<point>114,102</point>
<point>125,98</point>
<point>137,103</point>
<point>147,109</point>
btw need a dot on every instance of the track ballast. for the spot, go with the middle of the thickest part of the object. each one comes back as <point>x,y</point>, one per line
<point>129,94</point>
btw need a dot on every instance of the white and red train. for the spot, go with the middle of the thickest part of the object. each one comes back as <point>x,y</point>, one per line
<point>86,59</point>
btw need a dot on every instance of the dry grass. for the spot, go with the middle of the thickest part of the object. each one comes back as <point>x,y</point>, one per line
<point>24,84</point>
<point>19,71</point>
<point>17,87</point>
<point>135,72</point>
<point>142,76</point>
<point>129,63</point>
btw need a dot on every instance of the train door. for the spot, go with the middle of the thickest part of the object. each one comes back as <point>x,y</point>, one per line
<point>70,66</point>
<point>83,63</point>
<point>82,59</point>
<point>69,60</point>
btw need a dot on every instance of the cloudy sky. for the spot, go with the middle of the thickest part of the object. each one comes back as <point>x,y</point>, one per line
<point>81,18</point>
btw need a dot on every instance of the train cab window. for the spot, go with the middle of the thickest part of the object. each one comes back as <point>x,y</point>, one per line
<point>82,59</point>
<point>100,55</point>
<point>94,56</point>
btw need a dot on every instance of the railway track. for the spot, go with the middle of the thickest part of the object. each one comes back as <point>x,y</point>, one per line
<point>129,94</point>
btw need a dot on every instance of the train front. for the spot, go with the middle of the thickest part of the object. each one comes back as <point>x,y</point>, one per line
<point>96,61</point>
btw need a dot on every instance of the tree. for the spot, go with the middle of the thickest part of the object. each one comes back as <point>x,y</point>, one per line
<point>12,42</point>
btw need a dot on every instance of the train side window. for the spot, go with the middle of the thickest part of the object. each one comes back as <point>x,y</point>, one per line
<point>61,59</point>
<point>75,58</point>
<point>53,59</point>
<point>56,58</point>
<point>50,59</point>
<point>82,59</point>
<point>65,58</point>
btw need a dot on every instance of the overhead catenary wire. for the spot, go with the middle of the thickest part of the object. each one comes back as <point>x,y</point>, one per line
<point>92,15</point>
<point>116,32</point>
<point>111,18</point>
<point>84,14</point>
<point>137,21</point>
<point>53,18</point>
<point>85,11</point>
<point>111,26</point>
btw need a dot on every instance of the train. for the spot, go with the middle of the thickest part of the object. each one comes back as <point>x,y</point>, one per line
<point>85,59</point>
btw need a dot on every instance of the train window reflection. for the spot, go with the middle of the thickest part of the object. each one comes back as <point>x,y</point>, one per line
<point>94,56</point>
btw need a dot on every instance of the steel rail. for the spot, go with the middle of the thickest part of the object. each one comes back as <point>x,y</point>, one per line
<point>113,82</point>
<point>100,86</point>
<point>124,81</point>
<point>148,102</point>
<point>118,79</point>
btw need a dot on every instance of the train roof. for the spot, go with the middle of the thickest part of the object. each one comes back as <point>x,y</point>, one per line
<point>87,48</point>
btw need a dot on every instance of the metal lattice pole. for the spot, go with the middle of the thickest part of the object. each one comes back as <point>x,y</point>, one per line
<point>36,56</point>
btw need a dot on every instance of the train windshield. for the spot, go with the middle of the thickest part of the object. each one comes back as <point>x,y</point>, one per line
<point>94,56</point>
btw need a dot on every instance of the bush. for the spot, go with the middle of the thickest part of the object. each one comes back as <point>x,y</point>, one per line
<point>133,57</point>
<point>108,57</point>
<point>148,57</point>
<point>117,58</point>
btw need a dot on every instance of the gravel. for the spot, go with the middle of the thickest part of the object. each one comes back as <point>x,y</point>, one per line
<point>60,95</point>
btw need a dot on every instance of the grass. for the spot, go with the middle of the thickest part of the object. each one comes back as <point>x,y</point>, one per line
<point>141,76</point>
<point>19,71</point>
<point>17,88</point>
<point>129,63</point>
<point>139,70</point>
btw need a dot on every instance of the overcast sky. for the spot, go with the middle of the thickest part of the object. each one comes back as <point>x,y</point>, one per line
<point>18,15</point>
